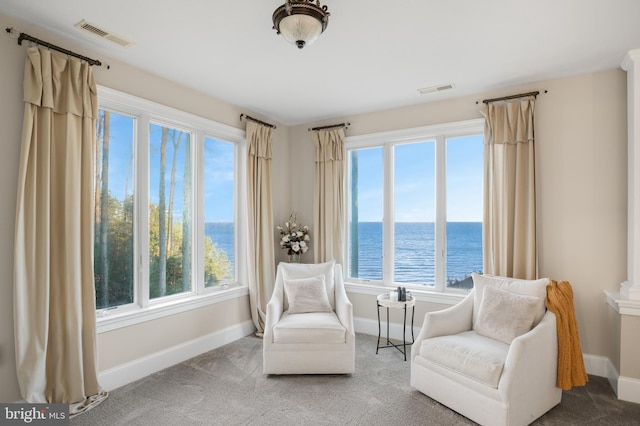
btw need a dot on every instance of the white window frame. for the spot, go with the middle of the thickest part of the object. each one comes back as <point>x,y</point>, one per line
<point>143,308</point>
<point>439,133</point>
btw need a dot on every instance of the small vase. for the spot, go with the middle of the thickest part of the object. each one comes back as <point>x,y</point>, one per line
<point>294,258</point>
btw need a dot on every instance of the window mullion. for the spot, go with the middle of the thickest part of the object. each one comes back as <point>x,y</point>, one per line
<point>388,217</point>
<point>197,241</point>
<point>441,213</point>
<point>142,203</point>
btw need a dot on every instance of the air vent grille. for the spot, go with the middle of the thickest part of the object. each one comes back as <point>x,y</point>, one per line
<point>438,88</point>
<point>102,33</point>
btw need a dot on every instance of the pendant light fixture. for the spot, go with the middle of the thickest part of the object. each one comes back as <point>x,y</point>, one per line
<point>300,21</point>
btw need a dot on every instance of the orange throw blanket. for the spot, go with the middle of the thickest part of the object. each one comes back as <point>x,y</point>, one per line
<point>571,371</point>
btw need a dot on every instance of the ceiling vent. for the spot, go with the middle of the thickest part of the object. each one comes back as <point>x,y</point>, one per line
<point>102,33</point>
<point>439,88</point>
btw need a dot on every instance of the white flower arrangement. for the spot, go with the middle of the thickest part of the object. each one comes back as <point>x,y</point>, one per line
<point>294,237</point>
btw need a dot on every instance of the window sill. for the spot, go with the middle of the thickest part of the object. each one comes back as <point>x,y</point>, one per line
<point>623,305</point>
<point>114,320</point>
<point>421,295</point>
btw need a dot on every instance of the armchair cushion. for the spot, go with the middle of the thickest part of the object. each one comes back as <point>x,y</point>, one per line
<point>307,295</point>
<point>309,270</point>
<point>537,288</point>
<point>468,353</point>
<point>504,315</point>
<point>315,327</point>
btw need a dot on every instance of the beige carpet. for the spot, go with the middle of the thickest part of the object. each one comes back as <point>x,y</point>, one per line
<point>226,387</point>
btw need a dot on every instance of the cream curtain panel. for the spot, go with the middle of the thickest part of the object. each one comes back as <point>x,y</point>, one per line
<point>329,195</point>
<point>509,231</point>
<point>54,295</point>
<point>260,256</point>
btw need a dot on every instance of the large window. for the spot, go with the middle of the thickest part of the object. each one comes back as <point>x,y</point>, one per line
<point>166,211</point>
<point>415,206</point>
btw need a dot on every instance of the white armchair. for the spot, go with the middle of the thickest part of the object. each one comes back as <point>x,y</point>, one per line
<point>465,359</point>
<point>304,332</point>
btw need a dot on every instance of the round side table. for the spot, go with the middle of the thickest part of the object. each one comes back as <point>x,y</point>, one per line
<point>384,301</point>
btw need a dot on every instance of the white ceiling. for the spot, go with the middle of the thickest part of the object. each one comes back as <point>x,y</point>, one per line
<point>374,54</point>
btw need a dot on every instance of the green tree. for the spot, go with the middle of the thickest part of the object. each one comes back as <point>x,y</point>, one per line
<point>176,141</point>
<point>120,255</point>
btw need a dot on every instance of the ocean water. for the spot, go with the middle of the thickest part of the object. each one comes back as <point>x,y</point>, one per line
<point>414,250</point>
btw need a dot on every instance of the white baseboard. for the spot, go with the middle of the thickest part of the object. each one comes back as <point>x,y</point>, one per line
<point>603,367</point>
<point>629,389</point>
<point>597,365</point>
<point>131,371</point>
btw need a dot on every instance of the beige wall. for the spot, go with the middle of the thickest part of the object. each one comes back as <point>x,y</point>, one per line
<point>629,347</point>
<point>581,166</point>
<point>614,322</point>
<point>129,343</point>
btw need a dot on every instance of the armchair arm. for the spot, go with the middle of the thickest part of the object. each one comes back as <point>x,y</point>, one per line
<point>344,307</point>
<point>453,320</point>
<point>532,361</point>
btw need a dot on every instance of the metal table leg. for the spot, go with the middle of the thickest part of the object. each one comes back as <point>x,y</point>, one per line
<point>404,333</point>
<point>379,331</point>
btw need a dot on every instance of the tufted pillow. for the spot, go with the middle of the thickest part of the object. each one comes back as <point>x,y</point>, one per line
<point>307,295</point>
<point>309,270</point>
<point>537,288</point>
<point>504,315</point>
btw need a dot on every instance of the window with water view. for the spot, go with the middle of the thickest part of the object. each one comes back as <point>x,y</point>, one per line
<point>415,211</point>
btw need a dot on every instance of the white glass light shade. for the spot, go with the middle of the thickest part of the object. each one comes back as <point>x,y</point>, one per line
<point>301,30</point>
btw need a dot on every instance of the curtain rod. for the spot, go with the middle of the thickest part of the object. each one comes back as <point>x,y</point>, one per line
<point>504,98</point>
<point>264,123</point>
<point>331,126</point>
<point>23,36</point>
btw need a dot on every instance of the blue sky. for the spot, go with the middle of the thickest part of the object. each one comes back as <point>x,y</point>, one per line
<point>218,169</point>
<point>414,189</point>
<point>465,169</point>
<point>120,155</point>
<point>218,181</point>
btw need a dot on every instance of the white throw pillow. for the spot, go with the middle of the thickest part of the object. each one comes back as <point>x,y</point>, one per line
<point>504,315</point>
<point>309,270</point>
<point>537,288</point>
<point>307,295</point>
